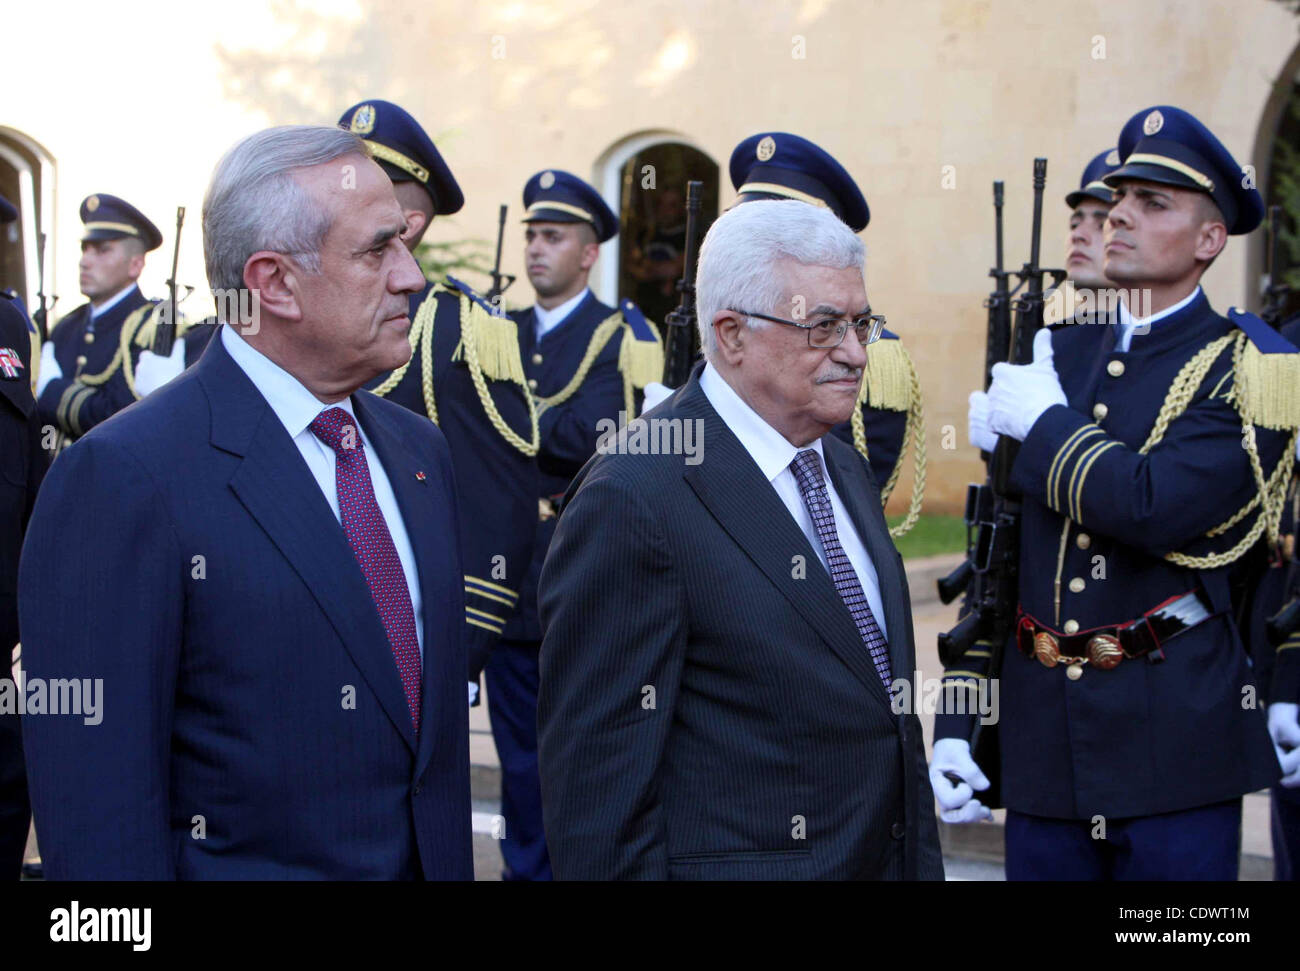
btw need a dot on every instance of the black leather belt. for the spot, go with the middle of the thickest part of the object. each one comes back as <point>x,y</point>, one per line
<point>1105,647</point>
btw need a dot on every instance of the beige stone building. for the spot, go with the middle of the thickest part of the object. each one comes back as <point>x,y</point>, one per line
<point>924,101</point>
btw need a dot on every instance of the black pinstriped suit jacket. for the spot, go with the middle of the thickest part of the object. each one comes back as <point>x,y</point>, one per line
<point>708,710</point>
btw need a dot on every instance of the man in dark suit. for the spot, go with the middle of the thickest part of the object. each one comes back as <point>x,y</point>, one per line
<point>270,587</point>
<point>723,630</point>
<point>20,476</point>
<point>586,363</point>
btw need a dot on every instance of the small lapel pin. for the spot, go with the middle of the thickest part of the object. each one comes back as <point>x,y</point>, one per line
<point>420,477</point>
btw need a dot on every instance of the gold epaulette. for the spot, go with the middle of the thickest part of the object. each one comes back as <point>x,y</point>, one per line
<point>496,341</point>
<point>1268,386</point>
<point>891,384</point>
<point>888,381</point>
<point>488,352</point>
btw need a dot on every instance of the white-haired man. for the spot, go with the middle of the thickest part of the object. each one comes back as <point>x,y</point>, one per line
<point>273,608</point>
<point>723,626</point>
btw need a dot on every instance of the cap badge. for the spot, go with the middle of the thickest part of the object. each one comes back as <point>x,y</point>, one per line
<point>547,180</point>
<point>1154,122</point>
<point>92,203</point>
<point>1113,157</point>
<point>766,148</point>
<point>363,120</point>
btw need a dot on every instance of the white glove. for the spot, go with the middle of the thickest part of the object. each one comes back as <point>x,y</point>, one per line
<point>49,368</point>
<point>1020,393</point>
<point>153,370</point>
<point>957,803</point>
<point>473,692</point>
<point>977,423</point>
<point>1284,729</point>
<point>655,393</point>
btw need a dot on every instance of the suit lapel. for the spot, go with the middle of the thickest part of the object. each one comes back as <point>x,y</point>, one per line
<point>731,485</point>
<point>424,505</point>
<point>868,518</point>
<point>278,490</point>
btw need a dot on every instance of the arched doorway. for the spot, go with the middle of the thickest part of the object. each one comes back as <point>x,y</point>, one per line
<point>643,179</point>
<point>27,181</point>
<point>1277,146</point>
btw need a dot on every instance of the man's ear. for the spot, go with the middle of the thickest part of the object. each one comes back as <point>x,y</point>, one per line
<point>416,221</point>
<point>135,266</point>
<point>731,332</point>
<point>1211,240</point>
<point>590,251</point>
<point>274,280</point>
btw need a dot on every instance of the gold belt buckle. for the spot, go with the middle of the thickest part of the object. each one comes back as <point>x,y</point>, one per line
<point>1047,649</point>
<point>1104,651</point>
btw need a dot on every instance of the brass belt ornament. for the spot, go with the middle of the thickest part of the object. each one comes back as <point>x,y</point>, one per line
<point>1104,653</point>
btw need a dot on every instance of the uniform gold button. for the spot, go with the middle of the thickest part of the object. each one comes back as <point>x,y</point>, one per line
<point>1115,368</point>
<point>89,338</point>
<point>81,360</point>
<point>532,383</point>
<point>1099,411</point>
<point>537,359</point>
<point>1077,585</point>
<point>1083,541</point>
<point>1071,627</point>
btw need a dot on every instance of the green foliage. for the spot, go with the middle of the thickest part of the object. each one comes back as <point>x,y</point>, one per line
<point>462,258</point>
<point>931,536</point>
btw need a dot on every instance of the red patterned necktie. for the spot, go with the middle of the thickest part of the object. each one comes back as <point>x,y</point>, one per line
<point>373,545</point>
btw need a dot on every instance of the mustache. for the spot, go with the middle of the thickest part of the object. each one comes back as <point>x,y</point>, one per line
<point>840,372</point>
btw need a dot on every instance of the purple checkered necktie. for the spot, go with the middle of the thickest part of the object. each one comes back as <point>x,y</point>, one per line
<point>807,469</point>
<point>373,545</point>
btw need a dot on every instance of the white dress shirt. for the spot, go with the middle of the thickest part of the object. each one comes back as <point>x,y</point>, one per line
<point>1128,324</point>
<point>297,408</point>
<point>550,319</point>
<point>773,453</point>
<point>111,302</point>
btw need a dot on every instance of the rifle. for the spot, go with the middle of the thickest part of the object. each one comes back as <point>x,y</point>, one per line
<point>681,337</point>
<point>498,286</point>
<point>42,316</point>
<point>993,514</point>
<point>164,335</point>
<point>1275,291</point>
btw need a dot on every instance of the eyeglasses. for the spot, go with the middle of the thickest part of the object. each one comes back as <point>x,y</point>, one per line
<point>830,332</point>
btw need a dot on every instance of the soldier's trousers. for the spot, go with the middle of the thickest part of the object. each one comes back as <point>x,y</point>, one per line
<point>1193,844</point>
<point>512,679</point>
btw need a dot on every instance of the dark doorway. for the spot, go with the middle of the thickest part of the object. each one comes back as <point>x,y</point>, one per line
<point>653,222</point>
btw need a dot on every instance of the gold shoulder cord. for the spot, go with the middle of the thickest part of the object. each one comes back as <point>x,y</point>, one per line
<point>1271,494</point>
<point>421,340</point>
<point>913,430</point>
<point>599,338</point>
<point>129,327</point>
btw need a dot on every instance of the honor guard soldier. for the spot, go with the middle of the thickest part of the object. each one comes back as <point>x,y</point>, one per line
<point>466,376</point>
<point>88,363</point>
<point>778,165</point>
<point>1154,454</point>
<point>587,363</point>
<point>24,467</point>
<point>1088,290</point>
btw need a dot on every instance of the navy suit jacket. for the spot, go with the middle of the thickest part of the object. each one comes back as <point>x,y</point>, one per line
<point>253,721</point>
<point>708,711</point>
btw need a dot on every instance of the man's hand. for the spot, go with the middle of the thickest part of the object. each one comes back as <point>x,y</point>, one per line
<point>153,370</point>
<point>957,803</point>
<point>49,368</point>
<point>1284,729</point>
<point>977,423</point>
<point>1020,393</point>
<point>655,393</point>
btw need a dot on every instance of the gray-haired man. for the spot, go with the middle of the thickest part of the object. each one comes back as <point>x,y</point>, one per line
<point>723,627</point>
<point>271,622</point>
